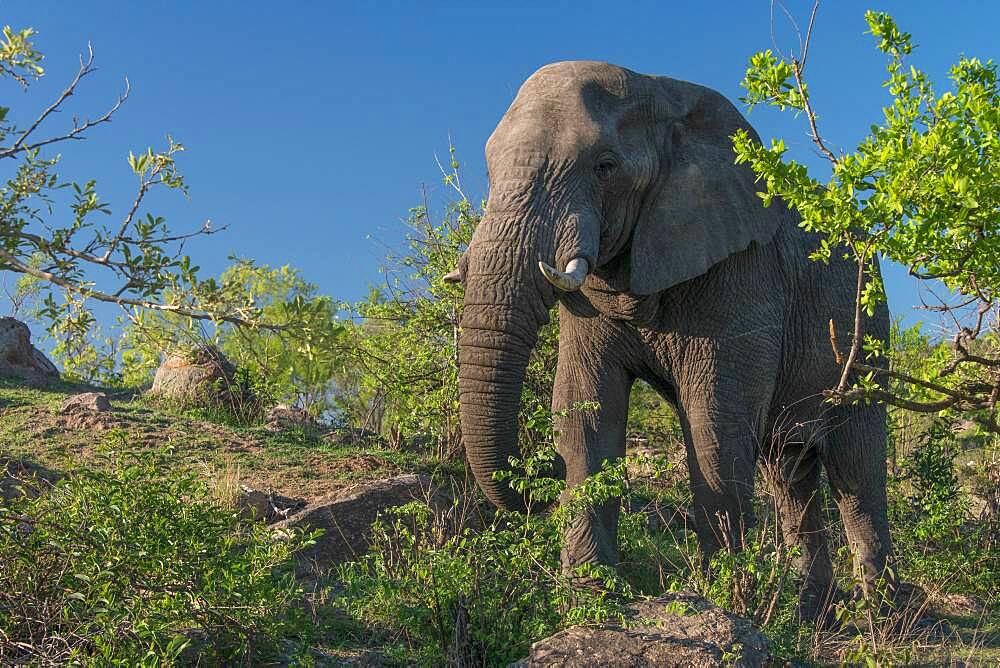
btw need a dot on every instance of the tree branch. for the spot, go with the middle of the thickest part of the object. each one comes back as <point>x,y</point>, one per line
<point>810,114</point>
<point>86,67</point>
<point>809,32</point>
<point>852,355</point>
<point>17,265</point>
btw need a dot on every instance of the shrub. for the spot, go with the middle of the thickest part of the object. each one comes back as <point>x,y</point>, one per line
<point>485,594</point>
<point>481,597</point>
<point>939,543</point>
<point>127,565</point>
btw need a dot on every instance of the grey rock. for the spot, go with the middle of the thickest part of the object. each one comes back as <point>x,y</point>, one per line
<point>86,402</point>
<point>286,417</point>
<point>677,629</point>
<point>19,358</point>
<point>197,377</point>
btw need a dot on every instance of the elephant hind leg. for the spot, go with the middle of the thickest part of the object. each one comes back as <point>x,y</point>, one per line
<point>855,464</point>
<point>791,470</point>
<point>721,464</point>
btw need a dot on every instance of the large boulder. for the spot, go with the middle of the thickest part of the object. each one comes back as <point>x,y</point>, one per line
<point>19,358</point>
<point>196,377</point>
<point>677,629</point>
<point>346,517</point>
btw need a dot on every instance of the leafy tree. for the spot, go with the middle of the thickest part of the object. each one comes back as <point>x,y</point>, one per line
<point>914,355</point>
<point>50,229</point>
<point>298,359</point>
<point>406,340</point>
<point>303,361</point>
<point>921,190</point>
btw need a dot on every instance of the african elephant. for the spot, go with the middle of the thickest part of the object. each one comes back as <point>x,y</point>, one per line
<point>675,273</point>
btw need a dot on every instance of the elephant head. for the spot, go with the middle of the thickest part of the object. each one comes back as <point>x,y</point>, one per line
<point>596,172</point>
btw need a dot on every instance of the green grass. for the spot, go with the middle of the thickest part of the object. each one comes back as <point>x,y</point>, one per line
<point>295,463</point>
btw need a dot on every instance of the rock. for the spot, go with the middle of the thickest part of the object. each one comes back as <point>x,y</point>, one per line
<point>19,358</point>
<point>89,410</point>
<point>266,506</point>
<point>677,629</point>
<point>197,377</point>
<point>346,517</point>
<point>87,402</point>
<point>285,417</point>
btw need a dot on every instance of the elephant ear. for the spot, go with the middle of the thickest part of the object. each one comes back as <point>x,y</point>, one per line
<point>704,207</point>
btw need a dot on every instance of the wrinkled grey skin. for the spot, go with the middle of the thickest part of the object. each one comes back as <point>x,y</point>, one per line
<point>694,287</point>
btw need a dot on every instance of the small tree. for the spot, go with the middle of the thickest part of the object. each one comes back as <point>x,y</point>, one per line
<point>922,189</point>
<point>406,340</point>
<point>71,261</point>
<point>297,357</point>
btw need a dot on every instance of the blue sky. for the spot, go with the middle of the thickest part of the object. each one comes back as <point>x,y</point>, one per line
<point>311,126</point>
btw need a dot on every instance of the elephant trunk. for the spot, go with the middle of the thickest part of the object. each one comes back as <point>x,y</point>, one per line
<point>492,366</point>
<point>506,303</point>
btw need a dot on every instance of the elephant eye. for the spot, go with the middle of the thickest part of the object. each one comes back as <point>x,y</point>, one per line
<point>604,169</point>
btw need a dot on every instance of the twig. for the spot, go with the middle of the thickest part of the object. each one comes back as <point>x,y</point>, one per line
<point>809,32</point>
<point>810,114</point>
<point>86,67</point>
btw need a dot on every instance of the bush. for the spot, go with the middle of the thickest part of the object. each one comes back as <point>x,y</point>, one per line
<point>486,594</point>
<point>127,565</point>
<point>482,596</point>
<point>939,543</point>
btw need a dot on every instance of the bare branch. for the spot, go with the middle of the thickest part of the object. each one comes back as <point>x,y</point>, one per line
<point>86,68</point>
<point>810,114</point>
<point>206,229</point>
<point>791,21</point>
<point>809,31</point>
<point>144,186</point>
<point>852,355</point>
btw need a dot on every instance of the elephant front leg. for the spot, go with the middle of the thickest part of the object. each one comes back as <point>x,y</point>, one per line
<point>588,437</point>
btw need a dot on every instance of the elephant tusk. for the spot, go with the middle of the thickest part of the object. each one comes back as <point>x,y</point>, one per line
<point>570,280</point>
<point>453,276</point>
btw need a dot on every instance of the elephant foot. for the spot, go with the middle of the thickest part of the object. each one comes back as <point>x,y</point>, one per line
<point>818,605</point>
<point>586,589</point>
<point>592,579</point>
